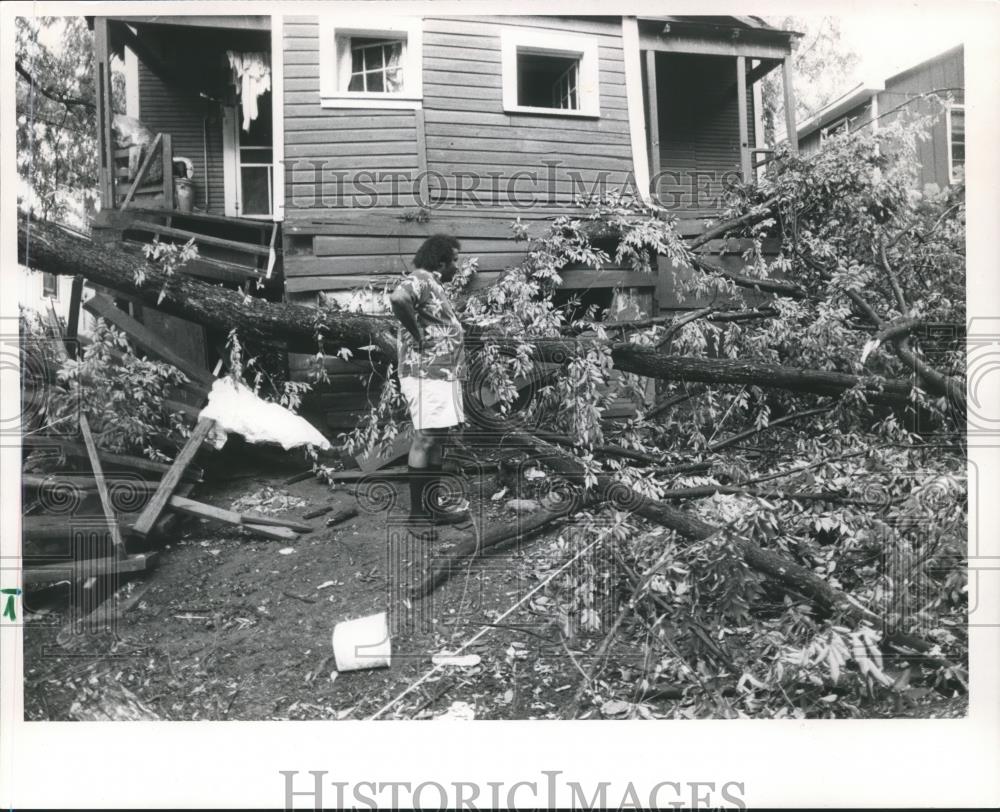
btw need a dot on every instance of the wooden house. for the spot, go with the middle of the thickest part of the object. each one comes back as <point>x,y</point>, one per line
<point>322,150</point>
<point>874,104</point>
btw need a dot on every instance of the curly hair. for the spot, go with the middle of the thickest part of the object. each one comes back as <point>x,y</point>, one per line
<point>437,250</point>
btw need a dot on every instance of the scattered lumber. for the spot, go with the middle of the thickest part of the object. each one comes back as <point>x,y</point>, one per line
<point>375,462</point>
<point>300,477</point>
<point>276,521</point>
<point>112,460</point>
<point>169,482</point>
<point>102,488</point>
<point>342,515</point>
<point>356,476</point>
<point>203,511</point>
<point>315,514</point>
<point>99,567</point>
<point>83,483</point>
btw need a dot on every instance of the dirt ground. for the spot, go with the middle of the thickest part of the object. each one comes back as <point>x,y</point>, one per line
<point>234,626</point>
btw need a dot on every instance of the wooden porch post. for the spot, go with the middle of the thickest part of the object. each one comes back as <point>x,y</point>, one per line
<point>741,100</point>
<point>102,85</point>
<point>166,144</point>
<point>787,82</point>
<point>653,102</point>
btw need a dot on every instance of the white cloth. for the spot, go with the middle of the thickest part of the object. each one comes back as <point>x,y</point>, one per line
<point>252,76</point>
<point>235,408</point>
<point>433,404</point>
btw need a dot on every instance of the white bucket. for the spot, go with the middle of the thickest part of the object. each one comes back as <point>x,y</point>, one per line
<point>362,643</point>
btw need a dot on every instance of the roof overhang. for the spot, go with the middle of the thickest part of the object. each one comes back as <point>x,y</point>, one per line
<point>720,36</point>
<point>854,97</point>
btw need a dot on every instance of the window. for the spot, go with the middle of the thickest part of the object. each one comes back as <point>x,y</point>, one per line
<point>842,127</point>
<point>956,142</point>
<point>370,67</point>
<point>50,285</point>
<point>548,72</point>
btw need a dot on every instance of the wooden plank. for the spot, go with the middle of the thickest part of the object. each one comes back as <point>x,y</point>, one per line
<point>123,460</point>
<point>787,84</point>
<point>50,573</point>
<point>169,482</point>
<point>338,246</point>
<point>102,489</point>
<point>204,239</point>
<point>653,105</point>
<point>394,227</point>
<point>199,217</point>
<point>143,169</point>
<point>357,266</point>
<point>82,482</point>
<point>741,112</point>
<point>168,172</point>
<point>369,462</point>
<point>276,521</point>
<point>73,319</point>
<point>203,511</point>
<point>102,85</point>
<point>145,339</point>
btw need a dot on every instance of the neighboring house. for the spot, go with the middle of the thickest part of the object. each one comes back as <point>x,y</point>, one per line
<point>324,149</point>
<point>942,156</point>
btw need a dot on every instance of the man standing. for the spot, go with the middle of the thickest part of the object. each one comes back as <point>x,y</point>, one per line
<point>431,369</point>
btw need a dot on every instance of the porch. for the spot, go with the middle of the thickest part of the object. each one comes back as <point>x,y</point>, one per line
<point>193,156</point>
<point>702,105</point>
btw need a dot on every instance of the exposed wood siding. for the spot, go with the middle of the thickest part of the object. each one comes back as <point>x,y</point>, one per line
<point>905,90</point>
<point>164,108</point>
<point>469,136</point>
<point>339,158</point>
<point>699,130</point>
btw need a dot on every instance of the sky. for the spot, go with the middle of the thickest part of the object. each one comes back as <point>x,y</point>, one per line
<point>887,43</point>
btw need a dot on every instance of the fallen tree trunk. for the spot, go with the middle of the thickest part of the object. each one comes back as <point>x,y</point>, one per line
<point>779,568</point>
<point>48,247</point>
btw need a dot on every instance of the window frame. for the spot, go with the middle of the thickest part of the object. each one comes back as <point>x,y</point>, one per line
<point>334,31</point>
<point>840,126</point>
<point>549,43</point>
<point>948,128</point>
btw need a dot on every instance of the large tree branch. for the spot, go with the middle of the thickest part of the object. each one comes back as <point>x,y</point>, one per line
<point>52,93</point>
<point>47,247</point>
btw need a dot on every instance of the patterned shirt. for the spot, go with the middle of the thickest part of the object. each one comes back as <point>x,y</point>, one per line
<point>443,354</point>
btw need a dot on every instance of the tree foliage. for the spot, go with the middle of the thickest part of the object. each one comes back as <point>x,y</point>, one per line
<point>56,122</point>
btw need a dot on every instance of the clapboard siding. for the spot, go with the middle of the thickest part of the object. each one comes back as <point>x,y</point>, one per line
<point>164,109</point>
<point>339,157</point>
<point>943,75</point>
<point>468,131</point>
<point>699,130</point>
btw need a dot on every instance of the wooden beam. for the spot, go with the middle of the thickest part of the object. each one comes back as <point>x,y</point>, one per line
<point>72,449</point>
<point>202,239</point>
<point>145,339</point>
<point>789,89</point>
<point>741,114</point>
<point>73,319</point>
<point>653,105</point>
<point>636,105</point>
<point>143,169</point>
<point>152,511</point>
<point>102,85</point>
<point>709,45</point>
<point>168,171</point>
<point>49,573</point>
<point>203,511</point>
<point>102,488</point>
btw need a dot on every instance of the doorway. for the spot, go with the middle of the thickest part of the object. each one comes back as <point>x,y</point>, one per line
<point>249,168</point>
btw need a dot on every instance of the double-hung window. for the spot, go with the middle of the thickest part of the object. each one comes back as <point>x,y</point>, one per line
<point>371,66</point>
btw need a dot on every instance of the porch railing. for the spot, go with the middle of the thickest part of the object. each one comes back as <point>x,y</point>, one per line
<point>161,143</point>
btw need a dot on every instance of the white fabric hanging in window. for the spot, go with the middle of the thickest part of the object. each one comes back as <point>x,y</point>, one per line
<point>252,76</point>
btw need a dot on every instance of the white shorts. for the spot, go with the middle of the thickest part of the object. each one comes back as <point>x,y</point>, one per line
<point>433,404</point>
